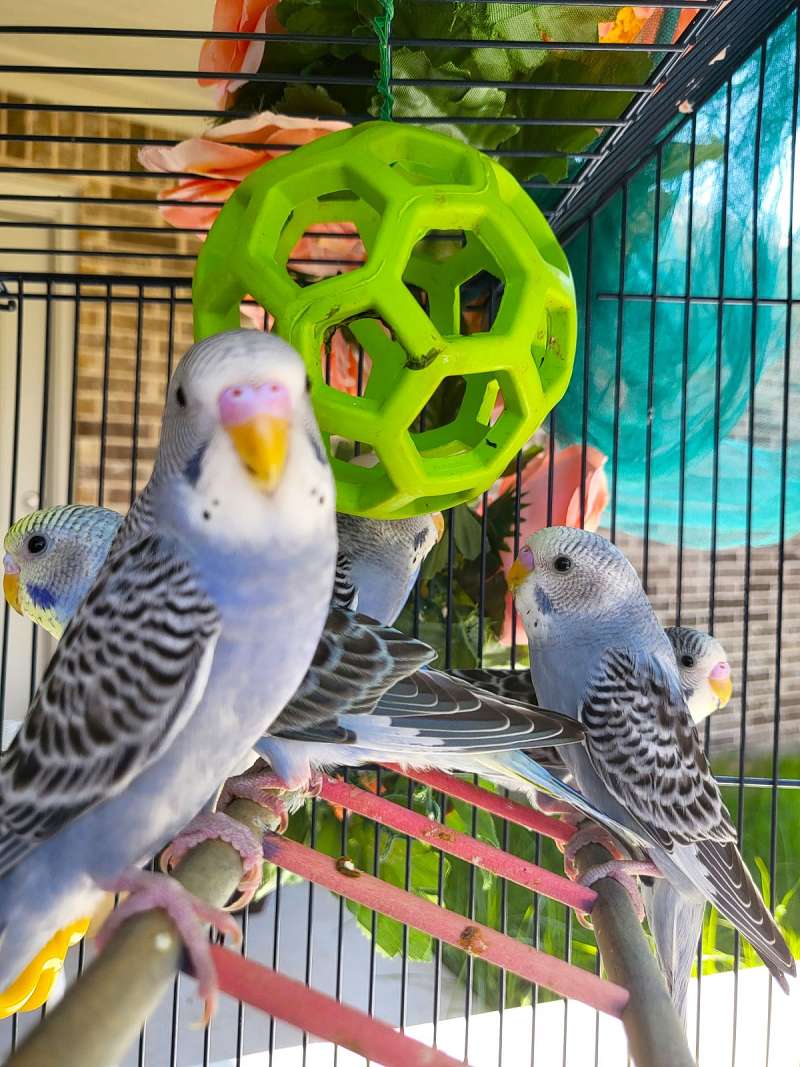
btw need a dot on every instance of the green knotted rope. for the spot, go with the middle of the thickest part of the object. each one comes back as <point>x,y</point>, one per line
<point>382,25</point>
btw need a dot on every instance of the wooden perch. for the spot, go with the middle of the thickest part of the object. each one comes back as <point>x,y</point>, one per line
<point>655,1035</point>
<point>101,1015</point>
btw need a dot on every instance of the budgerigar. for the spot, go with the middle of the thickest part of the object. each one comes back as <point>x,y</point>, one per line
<point>675,919</point>
<point>704,671</point>
<point>598,653</point>
<point>385,557</point>
<point>201,624</point>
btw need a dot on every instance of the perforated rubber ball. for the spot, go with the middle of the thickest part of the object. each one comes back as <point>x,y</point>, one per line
<point>443,410</point>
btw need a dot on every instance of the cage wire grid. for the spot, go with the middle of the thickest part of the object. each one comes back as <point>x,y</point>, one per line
<point>114,316</point>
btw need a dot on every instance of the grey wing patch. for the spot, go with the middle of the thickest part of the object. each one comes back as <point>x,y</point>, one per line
<point>125,677</point>
<point>644,746</point>
<point>356,661</point>
<point>514,684</point>
<point>432,708</point>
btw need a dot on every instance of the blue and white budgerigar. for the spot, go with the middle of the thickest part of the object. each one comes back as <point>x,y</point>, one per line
<point>675,919</point>
<point>704,671</point>
<point>385,556</point>
<point>200,625</point>
<point>598,653</point>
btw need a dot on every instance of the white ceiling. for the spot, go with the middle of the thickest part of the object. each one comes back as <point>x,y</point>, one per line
<point>77,51</point>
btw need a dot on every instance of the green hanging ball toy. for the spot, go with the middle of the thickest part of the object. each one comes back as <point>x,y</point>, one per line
<point>402,187</point>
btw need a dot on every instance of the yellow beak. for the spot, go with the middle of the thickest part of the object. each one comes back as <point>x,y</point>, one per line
<point>438,522</point>
<point>11,591</point>
<point>517,575</point>
<point>262,443</point>
<point>723,689</point>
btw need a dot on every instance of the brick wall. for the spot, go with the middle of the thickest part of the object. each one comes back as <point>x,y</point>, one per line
<point>151,345</point>
<point>127,253</point>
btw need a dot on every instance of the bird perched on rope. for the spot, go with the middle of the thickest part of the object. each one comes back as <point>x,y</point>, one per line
<point>599,654</point>
<point>216,588</point>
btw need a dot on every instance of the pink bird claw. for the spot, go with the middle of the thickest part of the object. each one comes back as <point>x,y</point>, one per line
<point>624,872</point>
<point>590,834</point>
<point>270,792</point>
<point>217,826</point>
<point>189,915</point>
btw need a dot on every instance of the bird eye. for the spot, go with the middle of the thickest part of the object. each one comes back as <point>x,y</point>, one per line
<point>308,384</point>
<point>180,396</point>
<point>562,563</point>
<point>687,660</point>
<point>37,544</point>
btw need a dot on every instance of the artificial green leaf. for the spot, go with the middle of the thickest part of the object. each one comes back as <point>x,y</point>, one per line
<point>593,106</point>
<point>308,99</point>
<point>425,101</point>
<point>467,532</point>
<point>424,880</point>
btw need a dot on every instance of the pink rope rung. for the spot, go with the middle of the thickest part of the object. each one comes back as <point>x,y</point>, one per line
<point>455,843</point>
<point>307,1009</point>
<point>479,940</point>
<point>494,803</point>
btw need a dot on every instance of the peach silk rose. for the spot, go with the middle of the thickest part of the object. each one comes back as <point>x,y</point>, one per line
<point>220,160</point>
<point>231,57</point>
<point>566,506</point>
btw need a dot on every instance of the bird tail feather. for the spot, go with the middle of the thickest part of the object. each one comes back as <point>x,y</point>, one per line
<point>676,922</point>
<point>518,771</point>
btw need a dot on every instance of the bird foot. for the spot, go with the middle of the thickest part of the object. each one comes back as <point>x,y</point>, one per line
<point>590,834</point>
<point>624,872</point>
<point>217,826</point>
<point>149,890</point>
<point>270,792</point>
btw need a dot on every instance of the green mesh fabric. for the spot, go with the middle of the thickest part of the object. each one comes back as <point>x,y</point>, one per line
<point>732,354</point>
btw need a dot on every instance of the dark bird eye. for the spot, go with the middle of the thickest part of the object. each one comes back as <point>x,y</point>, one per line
<point>562,563</point>
<point>308,384</point>
<point>37,544</point>
<point>687,660</point>
<point>180,396</point>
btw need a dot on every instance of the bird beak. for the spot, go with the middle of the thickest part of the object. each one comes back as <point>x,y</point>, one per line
<point>257,420</point>
<point>520,569</point>
<point>438,522</point>
<point>721,684</point>
<point>11,583</point>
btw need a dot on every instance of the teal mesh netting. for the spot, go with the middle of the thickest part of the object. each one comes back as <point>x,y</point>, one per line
<point>735,354</point>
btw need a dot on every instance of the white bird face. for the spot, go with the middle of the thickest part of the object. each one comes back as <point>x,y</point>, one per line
<point>704,669</point>
<point>562,572</point>
<point>240,447</point>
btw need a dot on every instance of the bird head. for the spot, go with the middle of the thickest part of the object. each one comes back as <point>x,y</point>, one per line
<point>704,669</point>
<point>562,572</point>
<point>241,458</point>
<point>51,560</point>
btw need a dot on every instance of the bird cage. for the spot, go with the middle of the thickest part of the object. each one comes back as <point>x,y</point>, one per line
<point>660,143</point>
